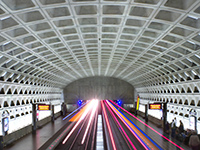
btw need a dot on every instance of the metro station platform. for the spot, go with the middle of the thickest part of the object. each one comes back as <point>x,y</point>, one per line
<point>153,134</point>
<point>43,134</point>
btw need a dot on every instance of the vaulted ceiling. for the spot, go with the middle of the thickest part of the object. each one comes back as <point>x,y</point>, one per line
<point>55,42</point>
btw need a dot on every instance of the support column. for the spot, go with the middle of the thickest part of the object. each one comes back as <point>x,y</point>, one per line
<point>1,142</point>
<point>136,108</point>
<point>146,112</point>
<point>164,116</point>
<point>52,113</point>
<point>34,118</point>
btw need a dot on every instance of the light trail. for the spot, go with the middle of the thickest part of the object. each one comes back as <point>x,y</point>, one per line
<point>58,139</point>
<point>149,126</point>
<point>128,126</point>
<point>79,114</point>
<point>86,110</point>
<point>90,120</point>
<point>109,128</point>
<point>133,146</point>
<point>145,139</point>
<point>74,111</point>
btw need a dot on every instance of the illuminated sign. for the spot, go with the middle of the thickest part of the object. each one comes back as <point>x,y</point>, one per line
<point>155,106</point>
<point>43,107</point>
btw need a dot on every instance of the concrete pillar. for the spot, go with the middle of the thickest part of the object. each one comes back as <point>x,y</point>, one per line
<point>1,142</point>
<point>136,108</point>
<point>146,112</point>
<point>164,117</point>
<point>52,113</point>
<point>34,118</point>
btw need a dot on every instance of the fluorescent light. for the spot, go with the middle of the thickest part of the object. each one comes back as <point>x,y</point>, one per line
<point>179,75</point>
<point>4,74</point>
<point>194,17</point>
<point>191,42</point>
<point>11,75</point>
<point>197,56</point>
<point>186,74</point>
<point>6,17</point>
<point>6,43</point>
<point>189,60</point>
<point>8,61</point>
<point>194,72</point>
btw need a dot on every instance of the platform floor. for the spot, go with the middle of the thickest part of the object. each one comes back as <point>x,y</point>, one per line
<point>156,137</point>
<point>35,141</point>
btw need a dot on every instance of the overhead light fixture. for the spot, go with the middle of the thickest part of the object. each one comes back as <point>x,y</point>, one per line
<point>189,60</point>
<point>3,74</point>
<point>194,72</point>
<point>197,56</point>
<point>8,61</point>
<point>194,17</point>
<point>179,75</point>
<point>4,18</point>
<point>186,74</point>
<point>6,43</point>
<point>190,42</point>
<point>11,75</point>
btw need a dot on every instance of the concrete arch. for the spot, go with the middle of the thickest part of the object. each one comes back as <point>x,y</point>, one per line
<point>100,88</point>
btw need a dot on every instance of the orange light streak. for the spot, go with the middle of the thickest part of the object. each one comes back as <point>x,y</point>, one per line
<point>88,107</point>
<point>79,114</point>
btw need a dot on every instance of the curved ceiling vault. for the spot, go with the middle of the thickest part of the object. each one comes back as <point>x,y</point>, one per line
<point>55,42</point>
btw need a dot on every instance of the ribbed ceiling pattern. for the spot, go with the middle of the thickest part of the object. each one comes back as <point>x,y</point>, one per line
<point>55,42</point>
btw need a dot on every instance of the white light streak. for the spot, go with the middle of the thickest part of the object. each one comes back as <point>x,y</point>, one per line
<point>90,106</point>
<point>91,117</point>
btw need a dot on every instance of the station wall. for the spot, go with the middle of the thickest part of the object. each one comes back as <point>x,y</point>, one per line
<point>17,100</point>
<point>99,88</point>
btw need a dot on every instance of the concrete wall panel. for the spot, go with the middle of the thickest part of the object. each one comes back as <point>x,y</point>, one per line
<point>99,88</point>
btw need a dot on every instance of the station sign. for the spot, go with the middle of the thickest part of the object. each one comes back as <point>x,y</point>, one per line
<point>155,106</point>
<point>43,107</point>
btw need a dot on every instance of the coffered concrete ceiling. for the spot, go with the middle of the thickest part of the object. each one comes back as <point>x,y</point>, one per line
<point>55,42</point>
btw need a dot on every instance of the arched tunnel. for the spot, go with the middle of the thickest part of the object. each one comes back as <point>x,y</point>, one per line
<point>117,72</point>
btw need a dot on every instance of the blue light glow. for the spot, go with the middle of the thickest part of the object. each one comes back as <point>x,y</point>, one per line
<point>79,102</point>
<point>119,102</point>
